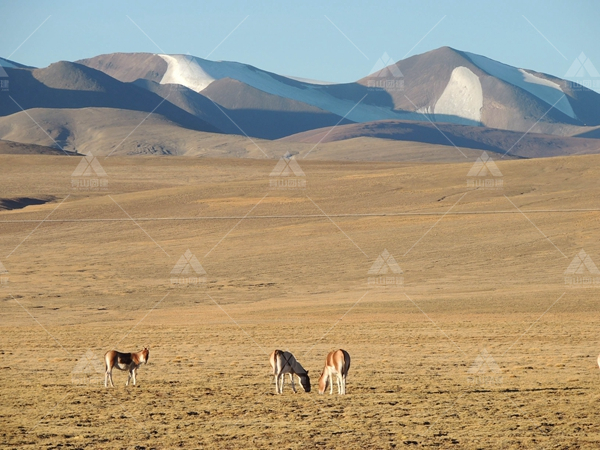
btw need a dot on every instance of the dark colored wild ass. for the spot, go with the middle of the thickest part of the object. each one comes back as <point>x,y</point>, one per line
<point>284,362</point>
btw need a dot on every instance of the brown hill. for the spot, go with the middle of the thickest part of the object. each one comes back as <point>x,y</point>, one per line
<point>530,145</point>
<point>105,131</point>
<point>128,66</point>
<point>18,148</point>
<point>71,85</point>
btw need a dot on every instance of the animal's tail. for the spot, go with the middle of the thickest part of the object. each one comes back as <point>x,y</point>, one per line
<point>346,361</point>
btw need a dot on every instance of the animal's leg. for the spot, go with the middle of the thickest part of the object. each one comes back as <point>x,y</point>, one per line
<point>293,386</point>
<point>344,383</point>
<point>106,378</point>
<point>110,378</point>
<point>133,372</point>
<point>339,384</point>
<point>330,379</point>
<point>128,377</point>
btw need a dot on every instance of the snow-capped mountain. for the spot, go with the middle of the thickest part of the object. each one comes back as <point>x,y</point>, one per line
<point>443,85</point>
<point>198,74</point>
<point>180,91</point>
<point>454,86</point>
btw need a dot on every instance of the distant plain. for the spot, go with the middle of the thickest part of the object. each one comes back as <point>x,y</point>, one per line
<point>482,269</point>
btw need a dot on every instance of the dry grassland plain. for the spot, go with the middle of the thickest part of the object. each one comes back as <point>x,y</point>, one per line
<point>481,341</point>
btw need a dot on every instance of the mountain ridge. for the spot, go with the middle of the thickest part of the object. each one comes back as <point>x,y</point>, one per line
<point>445,84</point>
<point>481,103</point>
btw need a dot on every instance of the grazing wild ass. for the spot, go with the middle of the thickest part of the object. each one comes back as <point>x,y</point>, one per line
<point>337,363</point>
<point>284,362</point>
<point>124,361</point>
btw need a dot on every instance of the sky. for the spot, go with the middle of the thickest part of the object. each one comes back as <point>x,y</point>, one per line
<point>337,41</point>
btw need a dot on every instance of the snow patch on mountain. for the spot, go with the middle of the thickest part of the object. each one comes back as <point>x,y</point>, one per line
<point>186,71</point>
<point>462,97</point>
<point>545,90</point>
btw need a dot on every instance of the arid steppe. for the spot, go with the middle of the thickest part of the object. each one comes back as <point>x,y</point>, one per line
<point>478,343</point>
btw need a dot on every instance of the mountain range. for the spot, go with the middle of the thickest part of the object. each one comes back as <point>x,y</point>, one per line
<point>186,104</point>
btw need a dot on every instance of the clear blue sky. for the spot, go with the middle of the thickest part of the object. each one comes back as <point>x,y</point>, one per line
<point>308,40</point>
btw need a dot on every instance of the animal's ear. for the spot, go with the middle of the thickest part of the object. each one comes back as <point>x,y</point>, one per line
<point>307,372</point>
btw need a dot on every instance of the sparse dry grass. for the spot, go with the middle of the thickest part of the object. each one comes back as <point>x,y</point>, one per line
<point>473,281</point>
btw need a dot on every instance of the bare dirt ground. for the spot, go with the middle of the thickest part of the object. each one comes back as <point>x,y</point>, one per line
<point>480,341</point>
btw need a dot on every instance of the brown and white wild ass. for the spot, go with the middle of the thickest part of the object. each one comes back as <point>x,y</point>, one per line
<point>284,362</point>
<point>337,363</point>
<point>124,361</point>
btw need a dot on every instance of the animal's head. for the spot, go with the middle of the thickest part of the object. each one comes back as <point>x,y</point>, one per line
<point>323,381</point>
<point>145,355</point>
<point>305,381</point>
